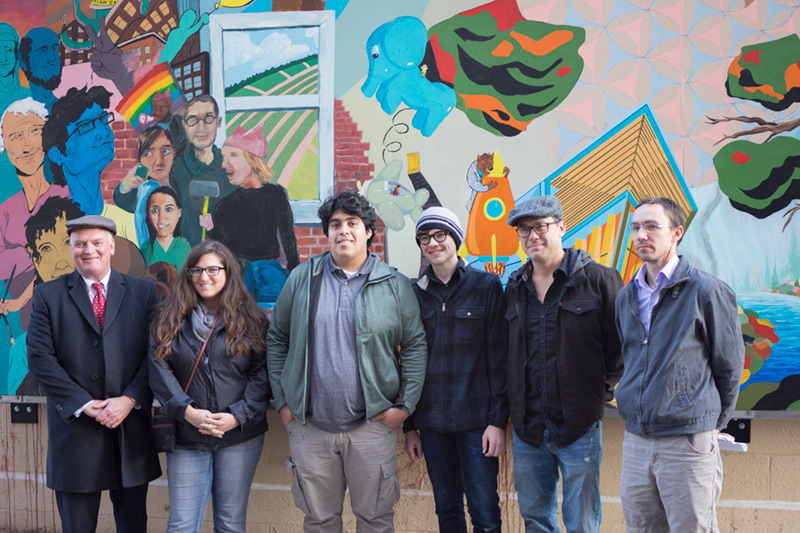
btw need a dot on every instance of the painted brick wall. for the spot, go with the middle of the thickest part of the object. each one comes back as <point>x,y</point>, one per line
<point>124,158</point>
<point>350,163</point>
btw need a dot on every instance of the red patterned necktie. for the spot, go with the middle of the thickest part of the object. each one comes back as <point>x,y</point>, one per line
<point>99,304</point>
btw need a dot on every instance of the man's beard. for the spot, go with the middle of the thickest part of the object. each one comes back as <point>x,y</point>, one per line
<point>51,84</point>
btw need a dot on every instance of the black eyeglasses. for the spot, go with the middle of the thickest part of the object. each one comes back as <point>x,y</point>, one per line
<point>196,272</point>
<point>192,120</point>
<point>424,238</point>
<point>88,125</point>
<point>541,228</point>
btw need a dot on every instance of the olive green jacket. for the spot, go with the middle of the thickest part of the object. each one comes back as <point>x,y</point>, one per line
<point>387,318</point>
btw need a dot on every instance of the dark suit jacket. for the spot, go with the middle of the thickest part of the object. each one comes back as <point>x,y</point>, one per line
<point>74,363</point>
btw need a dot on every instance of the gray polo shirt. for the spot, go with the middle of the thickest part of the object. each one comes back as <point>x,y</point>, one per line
<point>336,398</point>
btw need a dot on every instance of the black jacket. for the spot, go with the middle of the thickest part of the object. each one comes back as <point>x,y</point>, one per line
<point>236,385</point>
<point>465,383</point>
<point>74,362</point>
<point>587,344</point>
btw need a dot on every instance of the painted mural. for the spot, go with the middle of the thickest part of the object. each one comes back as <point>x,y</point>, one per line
<point>186,120</point>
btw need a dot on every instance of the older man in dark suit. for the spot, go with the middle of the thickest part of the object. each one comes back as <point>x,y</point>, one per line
<point>87,346</point>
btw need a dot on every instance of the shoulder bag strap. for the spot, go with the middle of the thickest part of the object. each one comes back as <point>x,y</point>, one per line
<point>186,390</point>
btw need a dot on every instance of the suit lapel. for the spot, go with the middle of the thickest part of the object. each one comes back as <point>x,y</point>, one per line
<point>80,296</point>
<point>116,293</point>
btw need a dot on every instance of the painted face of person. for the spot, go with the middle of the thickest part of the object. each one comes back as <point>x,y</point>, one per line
<point>92,249</point>
<point>53,250</point>
<point>200,133</point>
<point>164,214</point>
<point>161,110</point>
<point>158,158</point>
<point>235,165</point>
<point>22,138</point>
<point>90,144</point>
<point>8,59</point>
<point>44,63</point>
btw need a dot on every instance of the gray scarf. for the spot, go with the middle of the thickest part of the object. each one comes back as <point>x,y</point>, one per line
<point>202,320</point>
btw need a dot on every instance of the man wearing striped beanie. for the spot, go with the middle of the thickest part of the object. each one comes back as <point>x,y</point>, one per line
<point>461,418</point>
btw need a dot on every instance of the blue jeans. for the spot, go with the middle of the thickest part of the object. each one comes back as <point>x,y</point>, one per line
<point>536,479</point>
<point>194,475</point>
<point>457,467</point>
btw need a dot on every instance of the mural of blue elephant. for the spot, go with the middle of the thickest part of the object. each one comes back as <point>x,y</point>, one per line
<point>395,51</point>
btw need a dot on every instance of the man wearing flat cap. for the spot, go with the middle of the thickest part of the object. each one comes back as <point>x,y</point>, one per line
<point>564,361</point>
<point>87,343</point>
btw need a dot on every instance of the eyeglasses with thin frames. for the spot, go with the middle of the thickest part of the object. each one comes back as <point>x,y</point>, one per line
<point>193,120</point>
<point>649,227</point>
<point>424,238</point>
<point>196,272</point>
<point>541,228</point>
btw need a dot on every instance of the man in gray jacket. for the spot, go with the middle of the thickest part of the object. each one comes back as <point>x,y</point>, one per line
<point>684,354</point>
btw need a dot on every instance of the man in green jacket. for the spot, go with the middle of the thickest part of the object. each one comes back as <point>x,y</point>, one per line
<point>338,378</point>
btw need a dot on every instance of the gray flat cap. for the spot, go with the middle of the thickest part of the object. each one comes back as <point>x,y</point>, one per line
<point>536,207</point>
<point>91,221</point>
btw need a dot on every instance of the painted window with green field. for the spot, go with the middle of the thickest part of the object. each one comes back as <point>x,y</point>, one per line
<point>276,79</point>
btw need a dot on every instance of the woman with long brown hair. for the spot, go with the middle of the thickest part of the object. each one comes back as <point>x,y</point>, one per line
<point>210,334</point>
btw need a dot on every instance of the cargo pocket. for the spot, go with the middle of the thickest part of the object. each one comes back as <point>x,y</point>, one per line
<point>389,490</point>
<point>297,488</point>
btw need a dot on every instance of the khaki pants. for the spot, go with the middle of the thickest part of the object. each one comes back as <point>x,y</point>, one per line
<point>671,483</point>
<point>324,464</point>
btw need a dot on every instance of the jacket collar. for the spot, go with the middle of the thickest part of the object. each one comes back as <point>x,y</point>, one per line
<point>195,166</point>
<point>680,275</point>
<point>379,271</point>
<point>572,265</point>
<point>116,293</point>
<point>425,279</point>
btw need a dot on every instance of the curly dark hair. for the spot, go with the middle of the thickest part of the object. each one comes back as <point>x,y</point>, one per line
<point>65,111</point>
<point>245,321</point>
<point>351,203</point>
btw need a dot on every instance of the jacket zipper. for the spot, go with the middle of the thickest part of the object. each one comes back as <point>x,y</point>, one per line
<point>646,354</point>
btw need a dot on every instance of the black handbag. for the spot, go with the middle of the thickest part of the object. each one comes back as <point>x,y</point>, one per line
<point>163,428</point>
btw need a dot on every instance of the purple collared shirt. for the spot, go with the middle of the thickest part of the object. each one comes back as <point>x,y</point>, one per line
<point>649,297</point>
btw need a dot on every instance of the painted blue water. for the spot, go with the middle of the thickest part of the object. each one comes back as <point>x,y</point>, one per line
<point>784,313</point>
